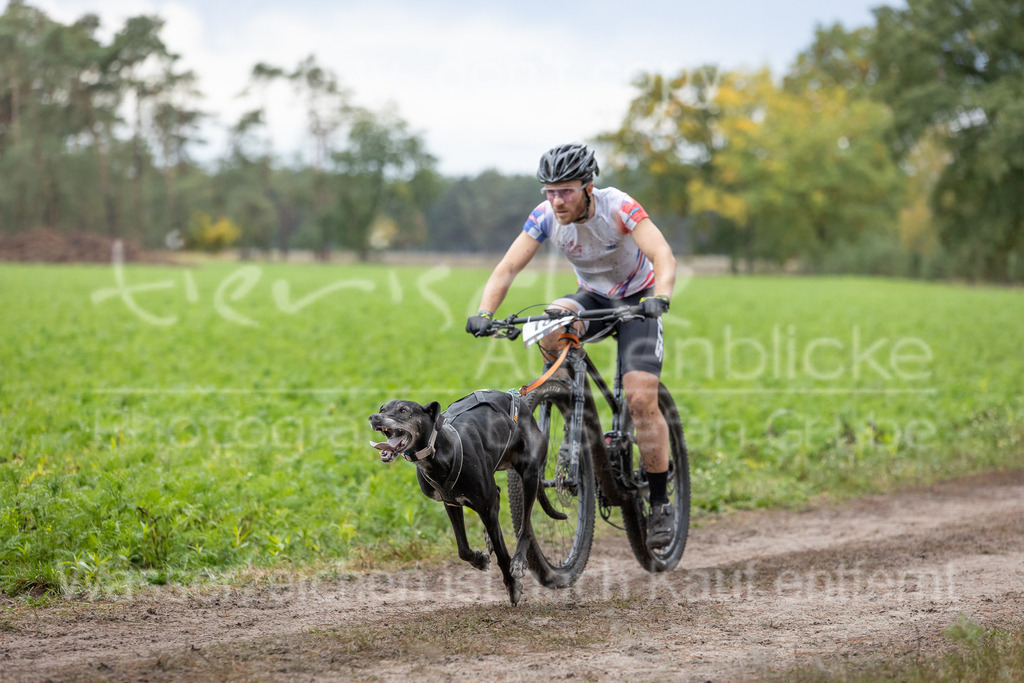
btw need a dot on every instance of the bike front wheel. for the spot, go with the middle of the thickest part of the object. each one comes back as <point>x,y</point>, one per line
<point>563,516</point>
<point>635,513</point>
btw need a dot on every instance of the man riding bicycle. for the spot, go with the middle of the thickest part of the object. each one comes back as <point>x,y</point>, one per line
<point>620,258</point>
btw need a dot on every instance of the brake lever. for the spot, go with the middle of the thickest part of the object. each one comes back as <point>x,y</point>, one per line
<point>507,333</point>
<point>632,313</point>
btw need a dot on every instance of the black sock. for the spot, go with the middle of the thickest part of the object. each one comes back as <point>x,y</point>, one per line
<point>659,486</point>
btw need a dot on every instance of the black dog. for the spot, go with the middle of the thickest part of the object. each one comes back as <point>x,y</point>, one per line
<point>456,456</point>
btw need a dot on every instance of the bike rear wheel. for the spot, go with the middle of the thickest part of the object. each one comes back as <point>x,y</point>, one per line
<point>561,547</point>
<point>636,513</point>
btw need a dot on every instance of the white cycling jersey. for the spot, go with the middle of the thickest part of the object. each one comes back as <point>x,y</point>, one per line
<point>606,259</point>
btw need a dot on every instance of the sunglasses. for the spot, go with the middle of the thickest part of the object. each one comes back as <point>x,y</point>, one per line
<point>565,193</point>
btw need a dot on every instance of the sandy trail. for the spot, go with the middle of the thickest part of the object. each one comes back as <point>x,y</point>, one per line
<point>755,593</point>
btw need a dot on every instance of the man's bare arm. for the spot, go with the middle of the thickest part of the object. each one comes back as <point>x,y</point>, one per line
<point>654,245</point>
<point>519,254</point>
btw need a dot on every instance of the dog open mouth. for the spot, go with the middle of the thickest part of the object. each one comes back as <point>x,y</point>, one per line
<point>398,440</point>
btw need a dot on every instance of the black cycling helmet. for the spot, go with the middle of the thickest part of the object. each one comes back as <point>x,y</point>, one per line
<point>568,162</point>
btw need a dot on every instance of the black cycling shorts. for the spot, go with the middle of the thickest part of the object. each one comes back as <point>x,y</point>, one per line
<point>641,342</point>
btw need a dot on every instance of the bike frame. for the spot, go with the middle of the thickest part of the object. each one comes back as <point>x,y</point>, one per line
<point>616,438</point>
<point>573,354</point>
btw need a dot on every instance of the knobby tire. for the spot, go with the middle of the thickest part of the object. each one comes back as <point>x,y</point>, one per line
<point>635,513</point>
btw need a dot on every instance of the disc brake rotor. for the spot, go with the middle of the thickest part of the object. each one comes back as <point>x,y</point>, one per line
<point>564,485</point>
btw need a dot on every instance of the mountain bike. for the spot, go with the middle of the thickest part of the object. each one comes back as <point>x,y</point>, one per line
<point>587,467</point>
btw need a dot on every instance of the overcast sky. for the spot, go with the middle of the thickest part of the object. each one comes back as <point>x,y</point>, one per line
<point>488,85</point>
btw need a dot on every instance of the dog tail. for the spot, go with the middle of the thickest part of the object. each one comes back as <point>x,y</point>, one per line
<point>542,498</point>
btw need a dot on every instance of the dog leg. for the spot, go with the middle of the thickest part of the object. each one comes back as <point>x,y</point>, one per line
<point>490,519</point>
<point>474,557</point>
<point>487,536</point>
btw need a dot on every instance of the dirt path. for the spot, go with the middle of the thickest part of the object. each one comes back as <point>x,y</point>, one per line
<point>755,593</point>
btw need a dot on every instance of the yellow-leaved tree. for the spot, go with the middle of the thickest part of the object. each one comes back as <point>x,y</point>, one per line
<point>766,173</point>
<point>212,235</point>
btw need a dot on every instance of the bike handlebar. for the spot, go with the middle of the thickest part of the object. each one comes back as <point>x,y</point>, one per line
<point>619,314</point>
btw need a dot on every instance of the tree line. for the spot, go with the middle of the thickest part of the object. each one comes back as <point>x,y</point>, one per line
<point>896,148</point>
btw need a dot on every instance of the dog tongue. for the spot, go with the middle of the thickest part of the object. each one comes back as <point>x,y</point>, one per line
<point>388,446</point>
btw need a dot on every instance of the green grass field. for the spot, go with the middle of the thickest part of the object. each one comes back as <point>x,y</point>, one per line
<point>165,424</point>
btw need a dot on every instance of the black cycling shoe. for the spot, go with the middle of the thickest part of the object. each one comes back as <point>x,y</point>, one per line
<point>661,526</point>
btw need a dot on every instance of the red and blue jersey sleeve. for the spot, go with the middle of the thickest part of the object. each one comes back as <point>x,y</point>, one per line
<point>538,224</point>
<point>630,213</point>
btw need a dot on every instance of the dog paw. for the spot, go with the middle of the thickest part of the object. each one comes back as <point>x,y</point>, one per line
<point>481,561</point>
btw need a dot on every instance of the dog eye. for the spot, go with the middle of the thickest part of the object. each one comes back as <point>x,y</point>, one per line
<point>404,409</point>
<point>381,409</point>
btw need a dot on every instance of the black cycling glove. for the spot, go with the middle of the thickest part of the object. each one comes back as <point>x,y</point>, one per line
<point>653,306</point>
<point>479,325</point>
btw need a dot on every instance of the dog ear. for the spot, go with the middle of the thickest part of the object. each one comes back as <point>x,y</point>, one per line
<point>433,410</point>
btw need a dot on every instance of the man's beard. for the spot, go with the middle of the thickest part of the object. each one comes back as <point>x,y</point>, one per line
<point>584,214</point>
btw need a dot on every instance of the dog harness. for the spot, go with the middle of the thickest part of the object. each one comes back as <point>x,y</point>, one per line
<point>485,397</point>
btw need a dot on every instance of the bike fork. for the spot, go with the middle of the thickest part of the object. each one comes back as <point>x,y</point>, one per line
<point>567,472</point>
